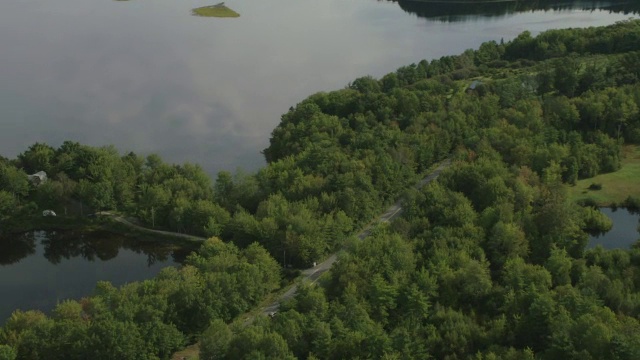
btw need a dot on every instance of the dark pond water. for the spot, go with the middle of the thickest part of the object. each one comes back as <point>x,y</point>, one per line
<point>147,77</point>
<point>623,233</point>
<point>38,269</point>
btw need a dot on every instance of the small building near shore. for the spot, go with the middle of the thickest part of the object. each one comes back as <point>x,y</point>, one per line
<point>49,213</point>
<point>474,84</point>
<point>38,178</point>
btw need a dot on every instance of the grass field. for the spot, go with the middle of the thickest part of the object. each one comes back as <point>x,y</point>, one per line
<point>616,186</point>
<point>191,352</point>
<point>215,11</point>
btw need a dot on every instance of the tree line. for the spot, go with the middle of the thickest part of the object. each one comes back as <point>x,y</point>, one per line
<point>456,10</point>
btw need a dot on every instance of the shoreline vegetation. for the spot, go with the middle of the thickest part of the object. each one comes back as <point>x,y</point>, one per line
<point>219,10</point>
<point>454,11</point>
<point>489,261</point>
<point>498,1</point>
<point>464,1</point>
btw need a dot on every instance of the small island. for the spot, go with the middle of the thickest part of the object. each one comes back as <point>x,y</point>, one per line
<point>218,10</point>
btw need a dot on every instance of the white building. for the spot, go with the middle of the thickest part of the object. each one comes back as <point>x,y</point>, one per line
<point>38,178</point>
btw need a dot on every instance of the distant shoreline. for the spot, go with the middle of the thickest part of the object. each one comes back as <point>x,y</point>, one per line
<point>464,2</point>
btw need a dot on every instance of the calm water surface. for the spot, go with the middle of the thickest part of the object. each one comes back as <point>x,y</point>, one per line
<point>38,269</point>
<point>147,77</point>
<point>623,233</point>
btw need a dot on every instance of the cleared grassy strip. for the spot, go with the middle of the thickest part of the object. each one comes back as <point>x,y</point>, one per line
<point>215,11</point>
<point>616,186</point>
<point>191,352</point>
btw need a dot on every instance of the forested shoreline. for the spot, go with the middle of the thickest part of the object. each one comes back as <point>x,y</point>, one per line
<point>528,3</point>
<point>487,263</point>
<point>457,10</point>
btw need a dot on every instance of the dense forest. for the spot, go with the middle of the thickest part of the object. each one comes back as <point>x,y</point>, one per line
<point>489,262</point>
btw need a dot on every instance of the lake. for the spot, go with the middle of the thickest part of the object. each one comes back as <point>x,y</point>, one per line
<point>146,76</point>
<point>623,233</point>
<point>38,268</point>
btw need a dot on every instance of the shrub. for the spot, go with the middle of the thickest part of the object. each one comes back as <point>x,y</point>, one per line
<point>632,204</point>
<point>595,221</point>
<point>588,202</point>
<point>595,186</point>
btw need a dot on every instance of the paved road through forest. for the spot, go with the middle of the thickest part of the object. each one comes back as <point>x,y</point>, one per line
<point>312,274</point>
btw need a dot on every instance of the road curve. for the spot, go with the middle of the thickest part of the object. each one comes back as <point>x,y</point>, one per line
<point>313,274</point>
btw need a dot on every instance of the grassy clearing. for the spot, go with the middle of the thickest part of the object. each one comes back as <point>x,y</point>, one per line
<point>616,186</point>
<point>191,352</point>
<point>215,11</point>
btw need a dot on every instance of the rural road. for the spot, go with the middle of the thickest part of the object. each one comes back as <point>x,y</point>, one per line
<point>126,222</point>
<point>314,273</point>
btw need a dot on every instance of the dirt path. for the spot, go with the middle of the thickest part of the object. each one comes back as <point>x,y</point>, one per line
<point>126,222</point>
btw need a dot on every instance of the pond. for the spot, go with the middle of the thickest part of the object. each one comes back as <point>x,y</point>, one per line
<point>623,233</point>
<point>147,76</point>
<point>40,268</point>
